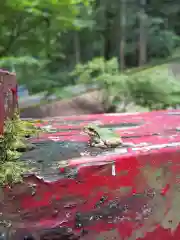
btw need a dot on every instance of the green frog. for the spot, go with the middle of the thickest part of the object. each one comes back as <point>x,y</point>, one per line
<point>102,138</point>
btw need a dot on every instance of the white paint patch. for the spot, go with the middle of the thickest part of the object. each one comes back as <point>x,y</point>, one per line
<point>53,138</point>
<point>173,113</point>
<point>121,114</point>
<point>48,127</point>
<point>113,170</point>
<point>157,146</point>
<point>121,150</point>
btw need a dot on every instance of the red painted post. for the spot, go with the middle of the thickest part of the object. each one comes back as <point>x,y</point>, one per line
<point>8,96</point>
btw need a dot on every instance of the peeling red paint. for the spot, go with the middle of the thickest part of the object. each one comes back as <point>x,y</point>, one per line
<point>118,194</point>
<point>8,96</point>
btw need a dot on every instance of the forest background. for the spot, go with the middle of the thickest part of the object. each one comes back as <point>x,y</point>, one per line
<point>127,50</point>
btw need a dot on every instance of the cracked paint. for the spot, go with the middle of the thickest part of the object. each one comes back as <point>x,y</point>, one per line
<point>104,194</point>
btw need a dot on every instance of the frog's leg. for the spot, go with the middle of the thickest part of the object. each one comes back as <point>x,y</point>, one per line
<point>99,144</point>
<point>90,142</point>
<point>93,141</point>
<point>114,142</point>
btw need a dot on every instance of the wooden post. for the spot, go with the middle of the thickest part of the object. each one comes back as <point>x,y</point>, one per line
<point>8,94</point>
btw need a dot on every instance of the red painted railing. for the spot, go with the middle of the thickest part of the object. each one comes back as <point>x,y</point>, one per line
<point>79,193</point>
<point>8,96</point>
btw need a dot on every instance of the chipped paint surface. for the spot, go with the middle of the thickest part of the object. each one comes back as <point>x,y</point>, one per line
<point>8,96</point>
<point>76,192</point>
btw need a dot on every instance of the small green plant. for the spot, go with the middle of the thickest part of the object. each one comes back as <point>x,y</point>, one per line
<point>12,142</point>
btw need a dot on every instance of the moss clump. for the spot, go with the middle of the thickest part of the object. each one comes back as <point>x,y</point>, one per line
<point>11,172</point>
<point>12,144</point>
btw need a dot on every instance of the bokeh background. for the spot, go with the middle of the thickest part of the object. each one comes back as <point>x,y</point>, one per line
<point>92,56</point>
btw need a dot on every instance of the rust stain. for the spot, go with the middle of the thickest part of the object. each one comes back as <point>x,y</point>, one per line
<point>157,205</point>
<point>157,178</point>
<point>172,218</point>
<point>123,191</point>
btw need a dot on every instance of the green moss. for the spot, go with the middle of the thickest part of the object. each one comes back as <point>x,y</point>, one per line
<point>12,140</point>
<point>11,172</point>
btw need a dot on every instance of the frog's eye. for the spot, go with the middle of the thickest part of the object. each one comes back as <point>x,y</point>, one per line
<point>85,129</point>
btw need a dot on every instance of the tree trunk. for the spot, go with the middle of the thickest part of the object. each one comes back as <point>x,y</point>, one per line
<point>142,34</point>
<point>107,37</point>
<point>122,33</point>
<point>101,21</point>
<point>48,37</point>
<point>77,47</point>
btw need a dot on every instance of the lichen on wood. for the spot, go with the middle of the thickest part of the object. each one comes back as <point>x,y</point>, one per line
<point>13,142</point>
